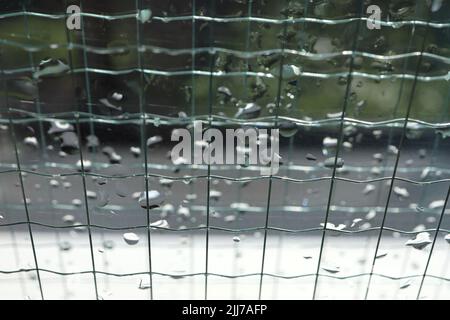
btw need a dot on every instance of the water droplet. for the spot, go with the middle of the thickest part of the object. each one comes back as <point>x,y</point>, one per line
<point>144,284</point>
<point>108,104</point>
<point>184,211</point>
<point>164,182</point>
<point>167,209</point>
<point>117,96</point>
<point>421,240</point>
<point>330,163</point>
<point>236,239</point>
<point>92,142</point>
<point>288,129</point>
<point>311,157</point>
<point>392,150</point>
<point>445,133</point>
<point>54,183</point>
<point>225,91</point>
<point>155,199</point>
<point>91,194</point>
<point>230,218</point>
<point>77,202</point>
<point>154,140</point>
<point>401,192</point>
<point>50,67</point>
<point>68,218</point>
<point>136,151</point>
<point>103,199</point>
<point>215,195</point>
<point>447,238</point>
<point>329,142</point>
<point>436,5</point>
<point>101,181</point>
<point>368,189</point>
<point>288,72</point>
<point>437,204</point>
<point>405,284</point>
<point>78,227</point>
<point>160,224</point>
<point>131,238</point>
<point>108,244</point>
<point>331,269</point>
<point>144,15</point>
<point>69,142</point>
<point>87,165</point>
<point>331,226</point>
<point>377,134</point>
<point>422,153</point>
<point>250,111</point>
<point>114,158</point>
<point>240,206</point>
<point>59,126</point>
<point>31,141</point>
<point>65,246</point>
<point>355,221</point>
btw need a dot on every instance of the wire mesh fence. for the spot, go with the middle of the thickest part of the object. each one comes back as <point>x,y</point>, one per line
<point>357,210</point>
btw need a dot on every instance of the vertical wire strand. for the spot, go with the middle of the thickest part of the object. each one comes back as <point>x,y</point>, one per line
<point>390,138</point>
<point>86,74</point>
<point>70,47</point>
<point>341,132</point>
<point>269,191</point>
<point>27,213</point>
<point>436,145</point>
<point>239,184</point>
<point>11,229</point>
<point>42,145</point>
<point>143,141</point>
<point>436,234</point>
<point>192,96</point>
<point>86,202</point>
<point>447,260</point>
<point>24,199</point>
<point>397,160</point>
<point>92,132</point>
<point>210,102</point>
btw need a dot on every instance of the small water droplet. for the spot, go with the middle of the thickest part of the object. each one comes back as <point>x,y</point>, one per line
<point>136,151</point>
<point>65,246</point>
<point>154,140</point>
<point>401,192</point>
<point>331,269</point>
<point>31,141</point>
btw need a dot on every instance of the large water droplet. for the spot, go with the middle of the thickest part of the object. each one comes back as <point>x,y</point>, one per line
<point>155,199</point>
<point>420,241</point>
<point>50,67</point>
<point>131,238</point>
